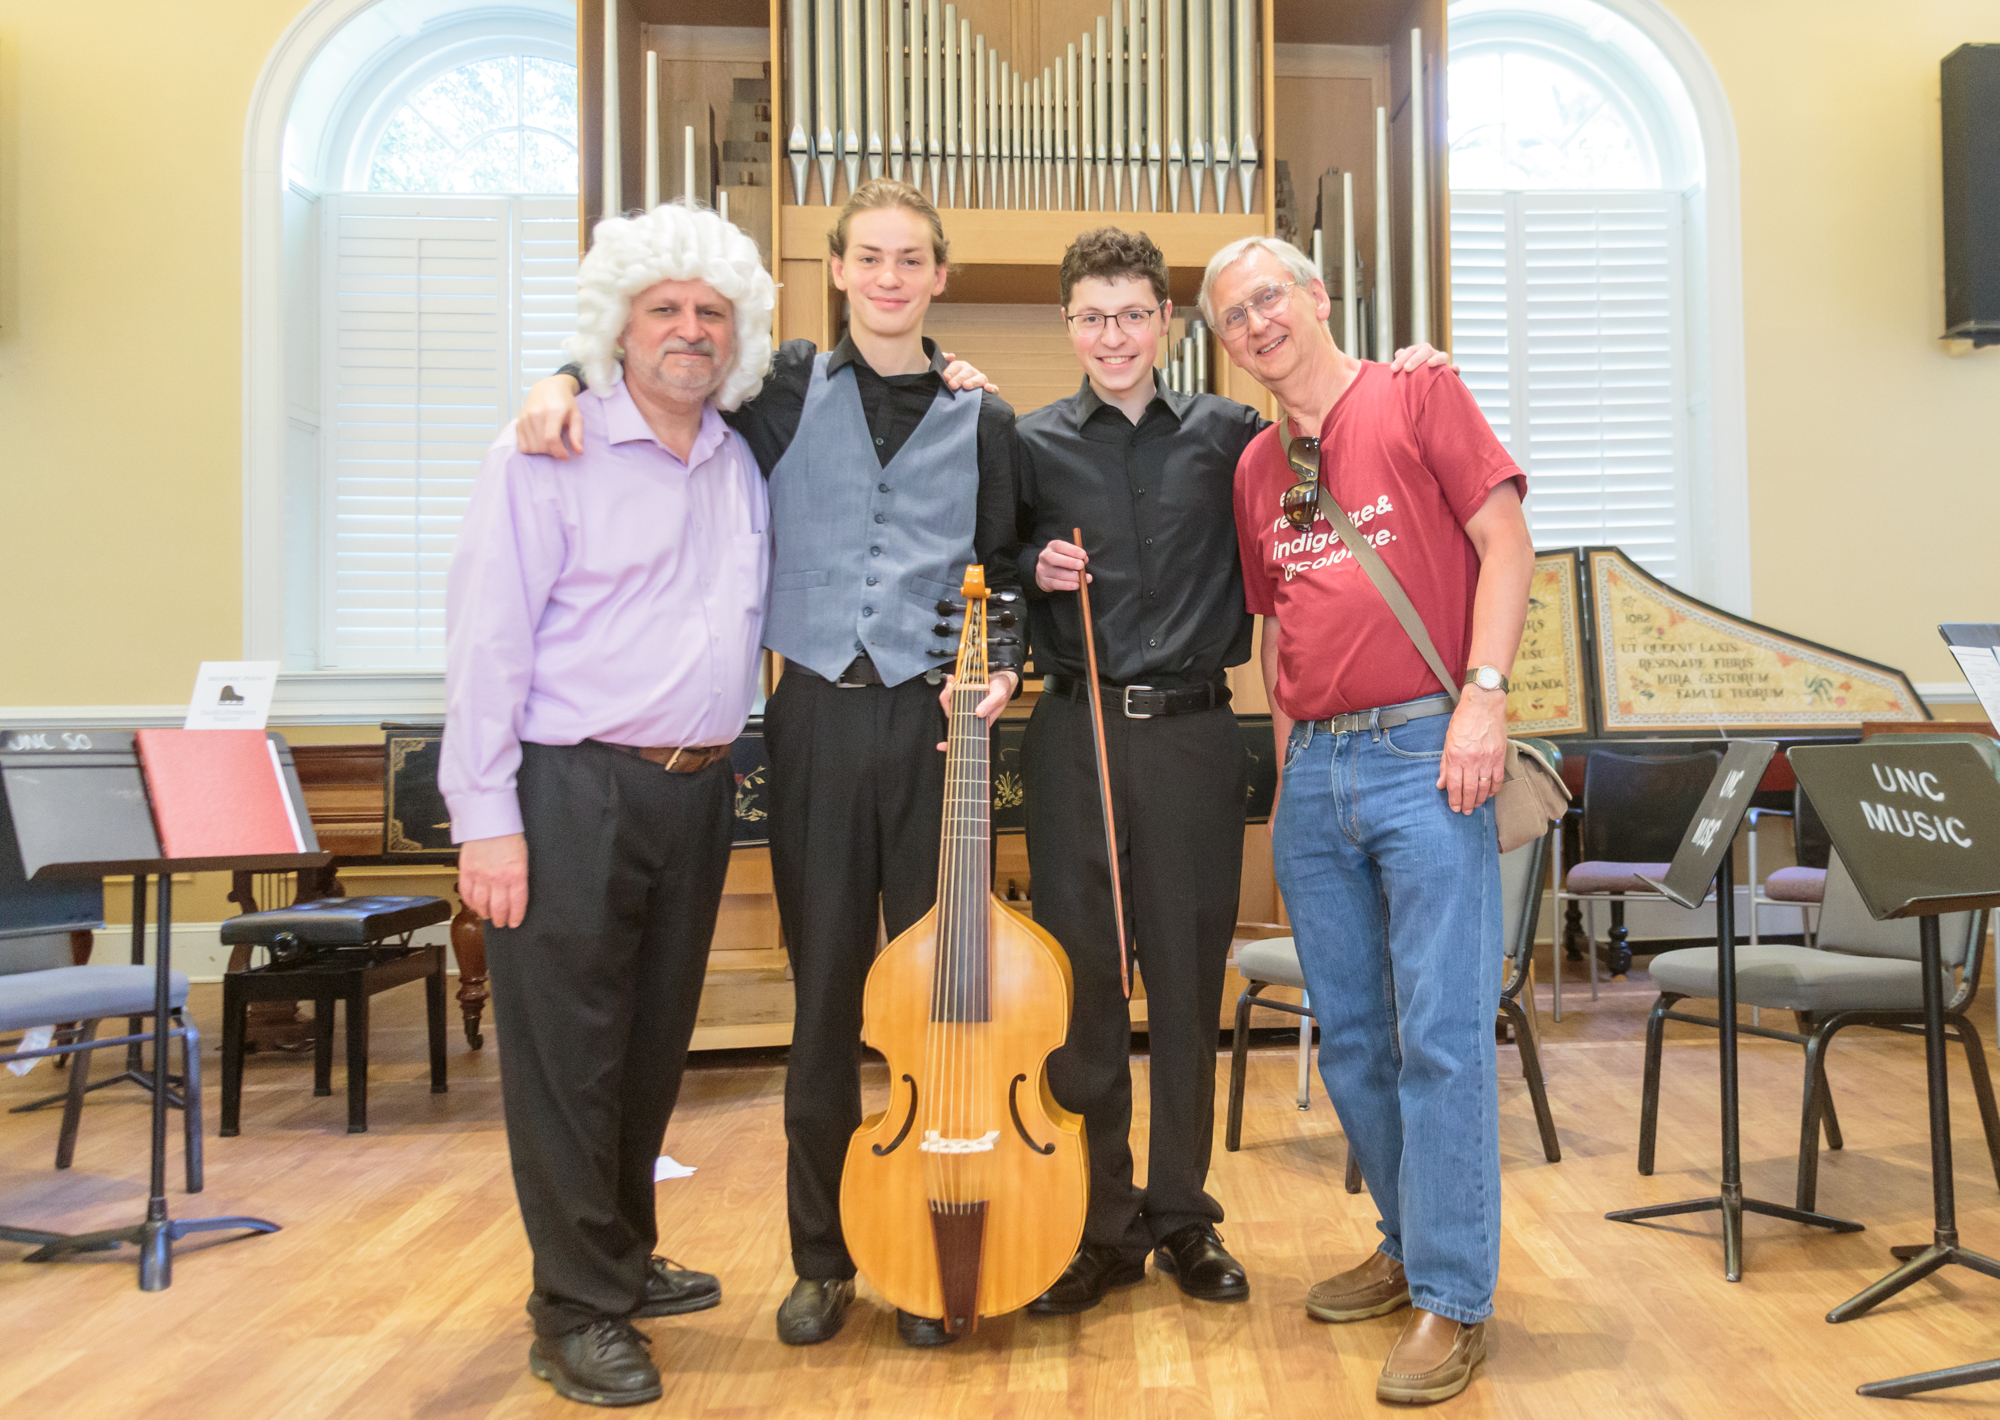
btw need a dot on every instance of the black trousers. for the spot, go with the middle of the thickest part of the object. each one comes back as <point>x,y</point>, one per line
<point>595,996</point>
<point>1177,794</point>
<point>857,801</point>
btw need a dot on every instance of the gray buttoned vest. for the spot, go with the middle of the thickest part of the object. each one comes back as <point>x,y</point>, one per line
<point>864,552</point>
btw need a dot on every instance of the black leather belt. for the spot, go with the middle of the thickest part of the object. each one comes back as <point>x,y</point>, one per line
<point>861,672</point>
<point>1385,717</point>
<point>1141,702</point>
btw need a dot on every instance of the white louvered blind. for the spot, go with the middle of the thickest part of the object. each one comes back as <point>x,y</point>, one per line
<point>441,310</point>
<point>1567,309</point>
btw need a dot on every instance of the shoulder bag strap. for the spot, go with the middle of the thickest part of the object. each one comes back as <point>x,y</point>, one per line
<point>1385,582</point>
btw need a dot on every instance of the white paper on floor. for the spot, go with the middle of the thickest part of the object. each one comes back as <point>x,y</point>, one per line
<point>665,1168</point>
<point>38,1038</point>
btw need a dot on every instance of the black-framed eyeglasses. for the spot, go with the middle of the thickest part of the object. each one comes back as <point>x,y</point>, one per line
<point>1094,322</point>
<point>1301,501</point>
<point>1232,319</point>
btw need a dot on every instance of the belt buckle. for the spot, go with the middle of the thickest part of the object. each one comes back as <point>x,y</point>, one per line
<point>1126,703</point>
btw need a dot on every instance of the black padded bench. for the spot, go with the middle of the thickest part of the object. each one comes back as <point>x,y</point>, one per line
<point>332,949</point>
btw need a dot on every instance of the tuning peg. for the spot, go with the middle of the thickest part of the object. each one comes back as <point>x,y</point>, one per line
<point>943,628</point>
<point>946,608</point>
<point>1005,618</point>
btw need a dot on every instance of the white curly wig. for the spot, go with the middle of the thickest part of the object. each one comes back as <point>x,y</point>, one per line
<point>676,241</point>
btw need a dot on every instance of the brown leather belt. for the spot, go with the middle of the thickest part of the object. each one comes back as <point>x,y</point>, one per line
<point>682,759</point>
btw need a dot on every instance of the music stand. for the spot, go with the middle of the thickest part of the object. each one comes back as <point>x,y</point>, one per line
<point>78,807</point>
<point>1704,856</point>
<point>1904,819</point>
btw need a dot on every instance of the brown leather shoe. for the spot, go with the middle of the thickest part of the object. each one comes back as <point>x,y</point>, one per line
<point>1375,1288</point>
<point>1432,1360</point>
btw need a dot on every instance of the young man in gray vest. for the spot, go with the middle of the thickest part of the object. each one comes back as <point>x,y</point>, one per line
<point>898,482</point>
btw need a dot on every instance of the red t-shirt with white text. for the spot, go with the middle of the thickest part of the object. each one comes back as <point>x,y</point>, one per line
<point>1411,459</point>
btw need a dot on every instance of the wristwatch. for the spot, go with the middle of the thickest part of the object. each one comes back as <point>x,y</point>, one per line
<point>1486,678</point>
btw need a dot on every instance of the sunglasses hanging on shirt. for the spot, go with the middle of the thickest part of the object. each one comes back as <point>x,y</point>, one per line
<point>1301,501</point>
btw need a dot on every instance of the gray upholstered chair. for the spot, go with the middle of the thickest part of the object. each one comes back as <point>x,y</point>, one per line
<point>1635,810</point>
<point>39,987</point>
<point>1274,961</point>
<point>1861,972</point>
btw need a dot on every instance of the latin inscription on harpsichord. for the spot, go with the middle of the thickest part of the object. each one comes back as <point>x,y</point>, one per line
<point>1545,693</point>
<point>1666,660</point>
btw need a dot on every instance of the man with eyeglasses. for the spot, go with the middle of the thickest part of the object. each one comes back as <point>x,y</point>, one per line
<point>1146,474</point>
<point>1382,839</point>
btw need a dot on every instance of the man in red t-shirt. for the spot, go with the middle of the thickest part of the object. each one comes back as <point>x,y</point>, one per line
<point>1383,841</point>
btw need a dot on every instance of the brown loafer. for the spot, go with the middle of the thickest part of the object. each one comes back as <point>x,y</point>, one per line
<point>1422,1368</point>
<point>1375,1288</point>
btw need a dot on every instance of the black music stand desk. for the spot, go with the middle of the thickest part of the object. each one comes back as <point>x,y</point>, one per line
<point>1916,826</point>
<point>77,807</point>
<point>1704,857</point>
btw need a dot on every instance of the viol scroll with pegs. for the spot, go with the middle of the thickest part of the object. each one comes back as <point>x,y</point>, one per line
<point>965,1197</point>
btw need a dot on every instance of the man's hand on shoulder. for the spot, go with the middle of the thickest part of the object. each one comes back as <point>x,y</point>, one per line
<point>1415,357</point>
<point>960,376</point>
<point>1475,749</point>
<point>550,422</point>
<point>493,877</point>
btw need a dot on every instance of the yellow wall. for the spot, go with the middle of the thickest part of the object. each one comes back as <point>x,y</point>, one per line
<point>121,160</point>
<point>1874,493</point>
<point>1874,470</point>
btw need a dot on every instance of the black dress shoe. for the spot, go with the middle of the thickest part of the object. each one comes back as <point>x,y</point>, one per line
<point>922,1330</point>
<point>672,1290</point>
<point>814,1310</point>
<point>1094,1270</point>
<point>1196,1258</point>
<point>604,1363</point>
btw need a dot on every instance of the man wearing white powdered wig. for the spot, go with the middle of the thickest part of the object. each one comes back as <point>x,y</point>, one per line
<point>603,620</point>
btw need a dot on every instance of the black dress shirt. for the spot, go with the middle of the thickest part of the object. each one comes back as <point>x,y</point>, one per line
<point>1155,501</point>
<point>893,405</point>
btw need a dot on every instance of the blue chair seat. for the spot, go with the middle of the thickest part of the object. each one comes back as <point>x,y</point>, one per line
<point>81,993</point>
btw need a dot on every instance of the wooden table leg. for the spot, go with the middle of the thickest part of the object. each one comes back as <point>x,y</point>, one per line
<point>468,945</point>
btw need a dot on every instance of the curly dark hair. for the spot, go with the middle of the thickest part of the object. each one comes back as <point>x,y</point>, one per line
<point>1109,254</point>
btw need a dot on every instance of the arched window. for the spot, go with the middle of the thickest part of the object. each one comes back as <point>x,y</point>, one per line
<point>506,124</point>
<point>1577,176</point>
<point>430,246</point>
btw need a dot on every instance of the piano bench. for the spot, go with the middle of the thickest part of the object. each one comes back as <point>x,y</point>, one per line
<point>332,949</point>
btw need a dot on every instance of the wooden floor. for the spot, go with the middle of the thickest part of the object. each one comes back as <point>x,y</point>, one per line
<point>395,1288</point>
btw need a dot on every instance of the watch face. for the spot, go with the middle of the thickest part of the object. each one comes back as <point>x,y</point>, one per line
<point>1486,678</point>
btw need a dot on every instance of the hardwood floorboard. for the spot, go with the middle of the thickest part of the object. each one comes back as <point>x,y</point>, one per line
<point>396,1286</point>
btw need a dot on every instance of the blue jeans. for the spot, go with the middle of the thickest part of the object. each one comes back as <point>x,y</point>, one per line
<point>1395,905</point>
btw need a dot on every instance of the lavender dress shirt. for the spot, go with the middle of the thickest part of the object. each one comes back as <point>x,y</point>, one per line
<point>617,596</point>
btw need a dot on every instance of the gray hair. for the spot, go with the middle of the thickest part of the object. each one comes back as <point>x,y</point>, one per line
<point>676,241</point>
<point>1295,261</point>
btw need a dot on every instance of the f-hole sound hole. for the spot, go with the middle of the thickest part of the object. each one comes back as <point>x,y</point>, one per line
<point>908,1120</point>
<point>1013,1108</point>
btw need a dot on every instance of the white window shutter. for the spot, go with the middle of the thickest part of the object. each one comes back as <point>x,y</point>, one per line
<point>545,230</point>
<point>1593,403</point>
<point>440,311</point>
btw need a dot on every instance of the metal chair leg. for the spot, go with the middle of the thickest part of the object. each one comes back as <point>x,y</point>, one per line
<point>1649,1090</point>
<point>1816,1094</point>
<point>1305,1052</point>
<point>1590,931</point>
<point>1531,1070</point>
<point>191,1097</point>
<point>1982,1089</point>
<point>79,1078</point>
<point>1239,1059</point>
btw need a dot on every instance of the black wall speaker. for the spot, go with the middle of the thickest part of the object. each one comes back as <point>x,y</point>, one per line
<point>1970,89</point>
